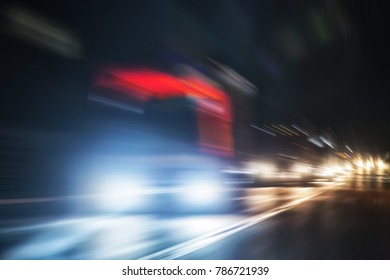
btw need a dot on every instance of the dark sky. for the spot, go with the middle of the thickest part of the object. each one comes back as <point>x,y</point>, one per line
<point>371,111</point>
<point>324,60</point>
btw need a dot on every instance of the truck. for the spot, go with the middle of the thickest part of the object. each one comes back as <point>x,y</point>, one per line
<point>157,143</point>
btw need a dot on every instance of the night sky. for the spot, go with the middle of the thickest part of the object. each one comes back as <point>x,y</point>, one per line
<point>324,60</point>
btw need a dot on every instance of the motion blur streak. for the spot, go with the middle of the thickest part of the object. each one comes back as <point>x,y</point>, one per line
<point>208,239</point>
<point>194,129</point>
<point>40,31</point>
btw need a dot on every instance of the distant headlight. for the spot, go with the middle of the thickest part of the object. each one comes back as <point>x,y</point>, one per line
<point>263,169</point>
<point>380,164</point>
<point>330,170</point>
<point>301,168</point>
<point>267,169</point>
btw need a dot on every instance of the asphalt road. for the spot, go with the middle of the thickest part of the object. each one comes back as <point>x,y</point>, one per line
<point>345,219</point>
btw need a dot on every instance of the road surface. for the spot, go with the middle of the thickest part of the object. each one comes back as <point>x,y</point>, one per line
<point>346,219</point>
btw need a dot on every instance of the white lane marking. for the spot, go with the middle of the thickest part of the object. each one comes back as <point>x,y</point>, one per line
<point>202,241</point>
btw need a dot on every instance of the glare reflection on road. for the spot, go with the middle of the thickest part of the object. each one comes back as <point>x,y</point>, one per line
<point>120,237</point>
<point>133,237</point>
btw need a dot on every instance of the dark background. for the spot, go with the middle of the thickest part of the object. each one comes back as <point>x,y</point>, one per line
<point>325,61</point>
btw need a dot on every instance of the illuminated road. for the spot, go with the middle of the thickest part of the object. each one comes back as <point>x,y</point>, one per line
<point>342,220</point>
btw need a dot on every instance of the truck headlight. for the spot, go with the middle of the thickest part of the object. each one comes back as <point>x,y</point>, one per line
<point>118,193</point>
<point>201,190</point>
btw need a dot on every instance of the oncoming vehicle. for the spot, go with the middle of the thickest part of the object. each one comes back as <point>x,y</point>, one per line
<point>157,143</point>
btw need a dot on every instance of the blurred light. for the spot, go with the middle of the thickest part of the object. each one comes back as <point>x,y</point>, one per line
<point>348,167</point>
<point>42,32</point>
<point>315,142</point>
<point>263,169</point>
<point>330,170</point>
<point>116,104</point>
<point>338,169</point>
<point>267,169</point>
<point>238,171</point>
<point>277,131</point>
<point>288,175</point>
<point>380,164</point>
<point>287,156</point>
<point>233,78</point>
<point>281,130</point>
<point>349,149</point>
<point>325,172</point>
<point>368,165</point>
<point>270,133</point>
<point>301,168</point>
<point>190,227</point>
<point>202,193</point>
<point>202,190</point>
<point>348,156</point>
<point>300,129</point>
<point>360,163</point>
<point>327,142</point>
<point>289,130</point>
<point>117,193</point>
